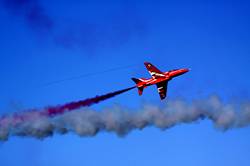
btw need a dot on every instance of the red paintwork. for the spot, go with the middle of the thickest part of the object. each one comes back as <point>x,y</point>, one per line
<point>167,77</point>
<point>158,77</point>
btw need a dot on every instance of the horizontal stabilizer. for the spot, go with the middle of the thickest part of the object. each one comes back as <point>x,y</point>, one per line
<point>140,90</point>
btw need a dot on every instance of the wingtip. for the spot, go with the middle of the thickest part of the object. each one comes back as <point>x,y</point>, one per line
<point>147,64</point>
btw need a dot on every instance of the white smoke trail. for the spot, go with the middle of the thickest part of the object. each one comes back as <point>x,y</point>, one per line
<point>87,122</point>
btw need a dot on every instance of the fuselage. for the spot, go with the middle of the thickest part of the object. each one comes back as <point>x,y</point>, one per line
<point>158,78</point>
<point>166,76</point>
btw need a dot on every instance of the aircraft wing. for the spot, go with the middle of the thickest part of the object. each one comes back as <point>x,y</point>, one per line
<point>155,73</point>
<point>162,89</point>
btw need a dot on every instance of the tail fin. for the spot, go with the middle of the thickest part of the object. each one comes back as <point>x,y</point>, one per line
<point>137,81</point>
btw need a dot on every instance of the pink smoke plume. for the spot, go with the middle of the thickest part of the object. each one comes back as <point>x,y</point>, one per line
<point>51,111</point>
<point>14,121</point>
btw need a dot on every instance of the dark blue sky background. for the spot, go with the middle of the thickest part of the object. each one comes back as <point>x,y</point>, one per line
<point>45,41</point>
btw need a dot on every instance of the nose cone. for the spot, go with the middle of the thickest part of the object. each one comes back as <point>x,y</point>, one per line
<point>178,72</point>
<point>184,70</point>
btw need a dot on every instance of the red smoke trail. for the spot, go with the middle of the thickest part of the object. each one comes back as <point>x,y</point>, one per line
<point>30,116</point>
<point>82,103</point>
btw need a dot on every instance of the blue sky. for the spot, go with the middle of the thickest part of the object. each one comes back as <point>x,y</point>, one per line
<point>70,38</point>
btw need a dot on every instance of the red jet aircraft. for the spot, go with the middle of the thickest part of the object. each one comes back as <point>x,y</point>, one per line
<point>159,78</point>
